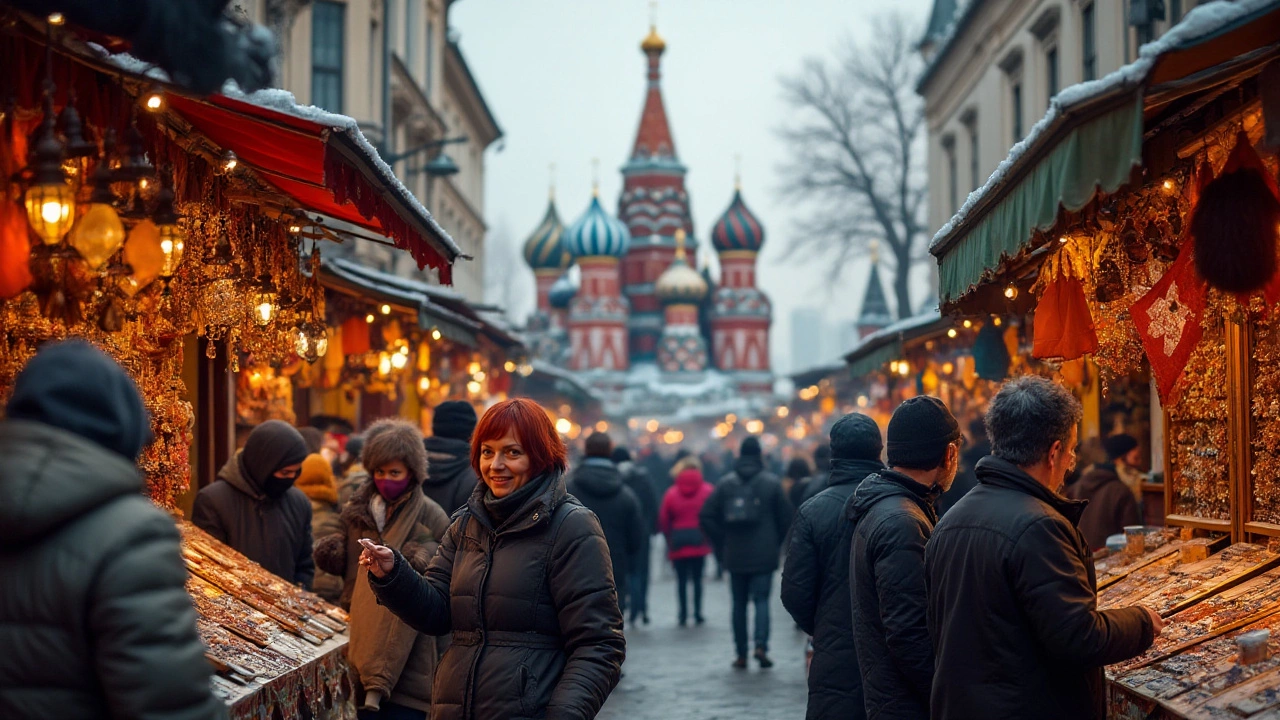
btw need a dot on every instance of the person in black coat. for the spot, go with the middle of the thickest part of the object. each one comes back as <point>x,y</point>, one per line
<point>254,507</point>
<point>748,515</point>
<point>598,485</point>
<point>815,576</point>
<point>450,479</point>
<point>821,473</point>
<point>637,479</point>
<point>893,514</point>
<point>1013,610</point>
<point>95,619</point>
<point>796,480</point>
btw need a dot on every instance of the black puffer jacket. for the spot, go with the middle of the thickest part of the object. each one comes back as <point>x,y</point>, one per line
<point>276,534</point>
<point>893,516</point>
<point>815,590</point>
<point>597,483</point>
<point>533,609</point>
<point>94,617</point>
<point>755,547</point>
<point>450,477</point>
<point>637,478</point>
<point>1013,606</point>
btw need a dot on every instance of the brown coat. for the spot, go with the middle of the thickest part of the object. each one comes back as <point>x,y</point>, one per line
<point>1111,505</point>
<point>385,654</point>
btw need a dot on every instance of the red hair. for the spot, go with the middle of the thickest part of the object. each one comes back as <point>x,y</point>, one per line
<point>531,426</point>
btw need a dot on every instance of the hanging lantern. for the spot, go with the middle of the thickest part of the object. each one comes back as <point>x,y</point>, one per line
<point>143,253</point>
<point>311,341</point>
<point>168,224</point>
<point>264,301</point>
<point>50,199</point>
<point>132,165</point>
<point>99,233</point>
<point>72,128</point>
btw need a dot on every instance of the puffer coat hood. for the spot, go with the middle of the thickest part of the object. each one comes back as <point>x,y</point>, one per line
<point>596,477</point>
<point>537,632</point>
<point>99,625</point>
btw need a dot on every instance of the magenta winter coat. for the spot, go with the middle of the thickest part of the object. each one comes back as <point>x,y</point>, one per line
<point>679,514</point>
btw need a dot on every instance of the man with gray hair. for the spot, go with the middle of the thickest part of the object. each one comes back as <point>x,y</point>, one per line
<point>1012,593</point>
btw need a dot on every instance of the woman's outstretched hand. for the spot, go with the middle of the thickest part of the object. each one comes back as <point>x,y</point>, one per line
<point>379,559</point>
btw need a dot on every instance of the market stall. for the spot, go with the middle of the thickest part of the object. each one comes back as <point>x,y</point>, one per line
<point>1137,225</point>
<point>184,236</point>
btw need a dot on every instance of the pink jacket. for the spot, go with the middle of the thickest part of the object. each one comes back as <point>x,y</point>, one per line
<point>679,512</point>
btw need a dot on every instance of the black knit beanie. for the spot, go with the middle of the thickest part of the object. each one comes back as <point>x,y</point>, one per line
<point>856,437</point>
<point>74,386</point>
<point>272,445</point>
<point>620,455</point>
<point>1117,446</point>
<point>454,419</point>
<point>919,432</point>
<point>750,447</point>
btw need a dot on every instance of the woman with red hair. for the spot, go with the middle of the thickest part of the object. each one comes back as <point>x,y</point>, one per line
<point>522,579</point>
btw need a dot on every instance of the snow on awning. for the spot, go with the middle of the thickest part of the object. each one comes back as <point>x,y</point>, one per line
<point>324,163</point>
<point>887,344</point>
<point>1090,141</point>
<point>355,279</point>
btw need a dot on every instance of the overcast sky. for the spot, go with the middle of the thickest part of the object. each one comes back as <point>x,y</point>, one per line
<point>566,81</point>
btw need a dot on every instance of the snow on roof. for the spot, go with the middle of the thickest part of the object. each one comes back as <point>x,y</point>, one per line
<point>879,337</point>
<point>284,101</point>
<point>1203,21</point>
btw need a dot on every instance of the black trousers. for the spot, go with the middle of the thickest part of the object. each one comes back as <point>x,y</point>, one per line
<point>689,570</point>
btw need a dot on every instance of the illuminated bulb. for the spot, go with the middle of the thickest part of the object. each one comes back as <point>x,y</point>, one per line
<point>1011,292</point>
<point>399,361</point>
<point>509,366</point>
<point>479,376</point>
<point>322,344</point>
<point>651,426</point>
<point>435,333</point>
<point>783,412</point>
<point>384,364</point>
<point>385,309</point>
<point>904,368</point>
<point>49,207</point>
<point>404,349</point>
<point>948,368</point>
<point>229,162</point>
<point>893,367</point>
<point>731,418</point>
<point>863,400</point>
<point>563,426</point>
<point>952,333</point>
<point>424,384</point>
<point>997,322</point>
<point>968,324</point>
<point>263,313</point>
<point>1168,186</point>
<point>154,101</point>
<point>602,426</point>
<point>369,318</point>
<point>473,387</point>
<point>295,229</point>
<point>57,18</point>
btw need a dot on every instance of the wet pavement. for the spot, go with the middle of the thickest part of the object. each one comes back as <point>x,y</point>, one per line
<point>675,673</point>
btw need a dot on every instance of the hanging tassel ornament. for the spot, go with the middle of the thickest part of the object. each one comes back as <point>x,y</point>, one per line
<point>1235,224</point>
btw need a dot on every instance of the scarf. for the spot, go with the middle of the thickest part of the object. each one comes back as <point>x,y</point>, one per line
<point>502,509</point>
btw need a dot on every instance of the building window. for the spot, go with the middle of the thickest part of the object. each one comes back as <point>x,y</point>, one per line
<point>328,20</point>
<point>1089,42</point>
<point>953,172</point>
<point>410,30</point>
<point>1175,12</point>
<point>1015,99</point>
<point>970,120</point>
<point>1051,70</point>
<point>1012,66</point>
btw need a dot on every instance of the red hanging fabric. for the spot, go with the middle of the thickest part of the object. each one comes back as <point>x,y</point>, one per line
<point>355,337</point>
<point>1063,327</point>
<point>1168,319</point>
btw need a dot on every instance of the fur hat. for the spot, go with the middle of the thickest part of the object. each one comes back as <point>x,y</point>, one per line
<point>395,439</point>
<point>686,463</point>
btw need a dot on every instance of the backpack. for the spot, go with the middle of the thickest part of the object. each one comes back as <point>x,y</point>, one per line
<point>742,505</point>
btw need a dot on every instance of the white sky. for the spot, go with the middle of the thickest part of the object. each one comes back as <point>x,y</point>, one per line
<point>566,81</point>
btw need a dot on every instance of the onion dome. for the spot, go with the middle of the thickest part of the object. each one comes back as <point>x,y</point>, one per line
<point>680,283</point>
<point>562,292</point>
<point>596,234</point>
<point>653,43</point>
<point>737,229</point>
<point>543,250</point>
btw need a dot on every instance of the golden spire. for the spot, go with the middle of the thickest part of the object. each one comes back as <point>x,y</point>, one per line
<point>680,237</point>
<point>551,192</point>
<point>737,172</point>
<point>595,177</point>
<point>873,248</point>
<point>654,42</point>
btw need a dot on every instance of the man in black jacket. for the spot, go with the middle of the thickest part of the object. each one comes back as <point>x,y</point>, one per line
<point>893,515</point>
<point>748,515</point>
<point>450,477</point>
<point>1012,594</point>
<point>815,578</point>
<point>821,479</point>
<point>637,479</point>
<point>598,485</point>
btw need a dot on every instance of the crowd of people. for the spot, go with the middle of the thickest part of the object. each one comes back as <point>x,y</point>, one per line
<point>486,578</point>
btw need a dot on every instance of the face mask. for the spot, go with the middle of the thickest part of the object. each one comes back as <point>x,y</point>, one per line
<point>275,487</point>
<point>391,489</point>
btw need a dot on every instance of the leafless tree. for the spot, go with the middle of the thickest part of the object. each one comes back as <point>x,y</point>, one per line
<point>856,148</point>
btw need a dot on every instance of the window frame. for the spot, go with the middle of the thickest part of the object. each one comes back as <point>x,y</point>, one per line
<point>1089,41</point>
<point>324,70</point>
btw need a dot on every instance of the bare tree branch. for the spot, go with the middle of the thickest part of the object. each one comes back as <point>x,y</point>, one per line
<point>857,155</point>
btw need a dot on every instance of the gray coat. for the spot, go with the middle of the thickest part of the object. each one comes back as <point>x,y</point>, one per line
<point>94,616</point>
<point>276,534</point>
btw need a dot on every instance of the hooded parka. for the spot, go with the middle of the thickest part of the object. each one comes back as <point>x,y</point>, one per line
<point>95,620</point>
<point>537,632</point>
<point>679,512</point>
<point>450,479</point>
<point>815,591</point>
<point>892,517</point>
<point>1013,606</point>
<point>597,484</point>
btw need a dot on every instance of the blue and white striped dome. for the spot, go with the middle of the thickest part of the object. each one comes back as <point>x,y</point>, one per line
<point>596,234</point>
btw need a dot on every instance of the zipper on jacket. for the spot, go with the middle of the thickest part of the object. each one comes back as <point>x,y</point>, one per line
<point>484,625</point>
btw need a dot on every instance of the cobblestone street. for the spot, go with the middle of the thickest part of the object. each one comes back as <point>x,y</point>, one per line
<point>675,673</point>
